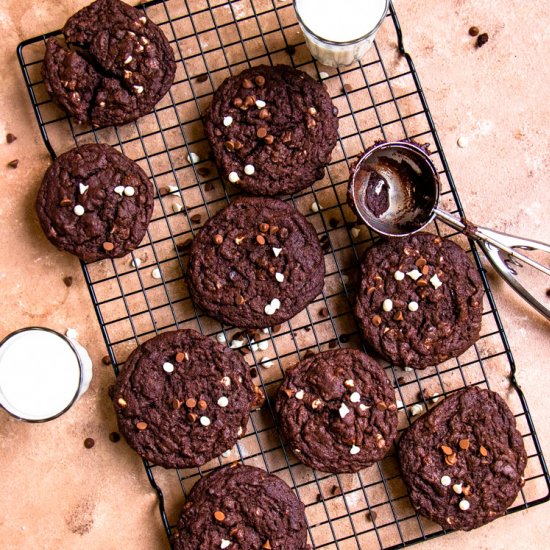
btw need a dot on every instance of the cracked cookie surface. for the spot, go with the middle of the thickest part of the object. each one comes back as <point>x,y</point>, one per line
<point>255,264</point>
<point>337,410</point>
<point>95,203</point>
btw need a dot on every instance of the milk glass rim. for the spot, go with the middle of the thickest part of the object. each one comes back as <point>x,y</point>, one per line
<point>80,369</point>
<point>371,33</point>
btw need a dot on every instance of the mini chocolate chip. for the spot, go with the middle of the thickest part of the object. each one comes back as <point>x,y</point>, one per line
<point>184,245</point>
<point>247,84</point>
<point>275,329</point>
<point>269,139</point>
<point>218,239</point>
<point>202,77</point>
<point>141,426</point>
<point>264,227</point>
<point>190,403</point>
<point>260,239</point>
<point>106,360</point>
<point>108,247</point>
<point>10,138</point>
<point>260,80</point>
<point>261,132</point>
<point>372,515</point>
<point>202,404</point>
<point>482,39</point>
<point>192,417</point>
<point>230,146</point>
<point>68,281</point>
<point>237,102</point>
<point>323,312</point>
<point>333,222</point>
<point>253,372</point>
<point>196,218</point>
<point>290,49</point>
<point>203,171</point>
<point>376,320</point>
<point>263,114</point>
<point>239,300</point>
<point>249,101</point>
<point>14,163</point>
<point>473,31</point>
<point>65,202</point>
<point>89,443</point>
<point>180,356</point>
<point>401,380</point>
<point>114,437</point>
<point>347,88</point>
<point>335,490</point>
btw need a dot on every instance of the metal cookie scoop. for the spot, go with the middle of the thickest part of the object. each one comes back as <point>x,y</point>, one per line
<point>394,188</point>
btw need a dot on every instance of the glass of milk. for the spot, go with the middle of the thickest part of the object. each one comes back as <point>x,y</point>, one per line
<point>339,32</point>
<point>42,373</point>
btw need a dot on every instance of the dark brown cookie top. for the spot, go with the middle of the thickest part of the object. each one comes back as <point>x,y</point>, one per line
<point>182,399</point>
<point>95,203</point>
<point>272,129</point>
<point>337,410</point>
<point>420,300</point>
<point>125,65</point>
<point>463,462</point>
<point>241,507</point>
<point>256,264</point>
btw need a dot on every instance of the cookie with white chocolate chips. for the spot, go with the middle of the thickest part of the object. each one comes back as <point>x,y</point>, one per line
<point>272,129</point>
<point>419,301</point>
<point>337,410</point>
<point>241,507</point>
<point>463,462</point>
<point>121,66</point>
<point>95,203</point>
<point>182,399</point>
<point>255,264</point>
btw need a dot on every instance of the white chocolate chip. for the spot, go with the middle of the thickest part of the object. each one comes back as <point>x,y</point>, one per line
<point>143,20</point>
<point>416,409</point>
<point>71,333</point>
<point>354,450</point>
<point>227,121</point>
<point>263,345</point>
<point>464,505</point>
<point>266,363</point>
<point>355,232</point>
<point>225,543</point>
<point>315,206</point>
<point>168,367</point>
<point>445,481</point>
<point>457,488</point>
<point>260,103</point>
<point>279,277</point>
<point>83,188</point>
<point>240,432</point>
<point>408,369</point>
<point>173,189</point>
<point>343,410</point>
<point>355,397</point>
<point>413,306</point>
<point>436,283</point>
<point>177,207</point>
<point>226,454</point>
<point>236,344</point>
<point>223,401</point>
<point>349,383</point>
<point>254,347</point>
<point>363,407</point>
<point>322,76</point>
<point>299,394</point>
<point>129,191</point>
<point>78,210</point>
<point>128,60</point>
<point>276,303</point>
<point>136,262</point>
<point>220,337</point>
<point>127,74</point>
<point>193,158</point>
<point>119,189</point>
<point>156,273</point>
<point>269,310</point>
<point>233,177</point>
<point>249,169</point>
<point>462,142</point>
<point>399,404</point>
<point>226,381</point>
<point>205,421</point>
<point>316,404</point>
<point>387,305</point>
<point>398,275</point>
<point>265,330</point>
<point>414,274</point>
<point>435,397</point>
<point>277,251</point>
<point>138,89</point>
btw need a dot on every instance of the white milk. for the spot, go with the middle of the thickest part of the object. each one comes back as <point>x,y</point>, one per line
<point>339,32</point>
<point>40,373</point>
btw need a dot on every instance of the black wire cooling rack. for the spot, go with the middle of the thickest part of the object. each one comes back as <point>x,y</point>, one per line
<point>143,294</point>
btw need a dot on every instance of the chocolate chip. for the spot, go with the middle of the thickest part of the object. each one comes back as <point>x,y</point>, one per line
<point>247,84</point>
<point>323,312</point>
<point>335,490</point>
<point>14,163</point>
<point>10,138</point>
<point>184,245</point>
<point>482,39</point>
<point>260,80</point>
<point>344,338</point>
<point>473,31</point>
<point>253,372</point>
<point>114,437</point>
<point>208,186</point>
<point>89,443</point>
<point>260,239</point>
<point>261,132</point>
<point>347,88</point>
<point>108,247</point>
<point>309,353</point>
<point>275,329</point>
<point>203,171</point>
<point>290,49</point>
<point>106,360</point>
<point>218,239</point>
<point>333,222</point>
<point>196,218</point>
<point>68,281</point>
<point>401,380</point>
<point>237,102</point>
<point>372,515</point>
<point>202,78</point>
<point>141,426</point>
<point>269,140</point>
<point>332,344</point>
<point>548,292</point>
<point>263,114</point>
<point>65,202</point>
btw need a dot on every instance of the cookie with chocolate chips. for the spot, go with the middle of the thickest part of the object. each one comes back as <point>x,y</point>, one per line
<point>420,300</point>
<point>241,507</point>
<point>272,130</point>
<point>117,65</point>
<point>183,399</point>
<point>256,264</point>
<point>463,462</point>
<point>95,203</point>
<point>337,410</point>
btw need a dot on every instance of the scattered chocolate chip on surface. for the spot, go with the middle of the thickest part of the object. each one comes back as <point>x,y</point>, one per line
<point>89,443</point>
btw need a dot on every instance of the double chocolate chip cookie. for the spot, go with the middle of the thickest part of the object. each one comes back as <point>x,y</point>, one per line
<point>95,203</point>
<point>256,264</point>
<point>182,399</point>
<point>463,462</point>
<point>420,300</point>
<point>117,66</point>
<point>241,507</point>
<point>272,130</point>
<point>337,410</point>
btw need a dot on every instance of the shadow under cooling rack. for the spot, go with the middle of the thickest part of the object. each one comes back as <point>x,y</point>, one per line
<point>381,98</point>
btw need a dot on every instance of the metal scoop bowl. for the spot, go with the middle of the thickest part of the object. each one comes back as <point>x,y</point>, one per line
<point>394,189</point>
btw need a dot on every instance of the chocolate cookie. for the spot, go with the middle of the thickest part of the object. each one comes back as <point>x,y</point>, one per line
<point>122,67</point>
<point>95,203</point>
<point>182,399</point>
<point>337,410</point>
<point>463,462</point>
<point>272,129</point>
<point>420,300</point>
<point>256,264</point>
<point>241,507</point>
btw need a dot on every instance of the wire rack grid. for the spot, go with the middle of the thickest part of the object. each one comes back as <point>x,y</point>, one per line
<point>380,98</point>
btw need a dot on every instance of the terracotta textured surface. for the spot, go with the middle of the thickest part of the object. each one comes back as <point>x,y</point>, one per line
<point>55,493</point>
